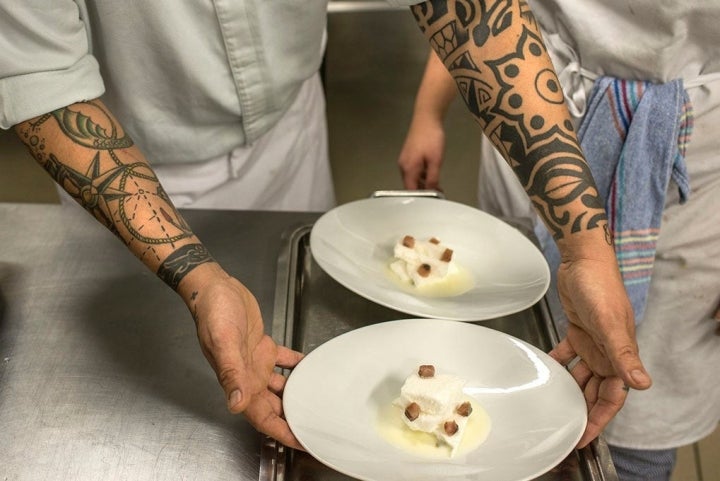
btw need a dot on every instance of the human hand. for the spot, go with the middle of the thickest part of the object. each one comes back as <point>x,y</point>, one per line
<point>421,156</point>
<point>601,332</point>
<point>230,330</point>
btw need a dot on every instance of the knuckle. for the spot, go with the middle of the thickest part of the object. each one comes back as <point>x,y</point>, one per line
<point>226,376</point>
<point>627,351</point>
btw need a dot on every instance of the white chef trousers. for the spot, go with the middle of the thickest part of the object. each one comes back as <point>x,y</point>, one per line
<point>287,169</point>
<point>676,337</point>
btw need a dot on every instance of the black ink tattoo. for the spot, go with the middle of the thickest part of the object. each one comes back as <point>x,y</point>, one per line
<point>492,21</point>
<point>181,262</point>
<point>106,176</point>
<point>194,310</point>
<point>92,189</point>
<point>82,130</point>
<point>498,88</point>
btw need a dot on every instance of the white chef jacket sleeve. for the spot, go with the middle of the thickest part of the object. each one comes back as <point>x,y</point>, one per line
<point>45,58</point>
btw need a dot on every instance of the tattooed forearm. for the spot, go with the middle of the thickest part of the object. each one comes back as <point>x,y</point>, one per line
<point>495,52</point>
<point>90,156</point>
<point>84,130</point>
<point>181,262</point>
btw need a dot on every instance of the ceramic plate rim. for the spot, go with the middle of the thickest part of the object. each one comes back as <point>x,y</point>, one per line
<point>396,298</point>
<point>293,390</point>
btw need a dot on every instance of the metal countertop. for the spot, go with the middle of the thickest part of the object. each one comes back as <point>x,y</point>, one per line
<point>101,374</point>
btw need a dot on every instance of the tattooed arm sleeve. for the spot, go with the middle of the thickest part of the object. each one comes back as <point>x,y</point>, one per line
<point>86,151</point>
<point>494,51</point>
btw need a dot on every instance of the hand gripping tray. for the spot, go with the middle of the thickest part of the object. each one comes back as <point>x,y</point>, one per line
<point>312,308</point>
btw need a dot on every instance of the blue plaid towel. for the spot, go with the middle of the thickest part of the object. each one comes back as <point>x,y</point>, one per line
<point>634,136</point>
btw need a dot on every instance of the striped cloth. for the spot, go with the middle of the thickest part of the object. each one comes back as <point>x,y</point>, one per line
<point>634,135</point>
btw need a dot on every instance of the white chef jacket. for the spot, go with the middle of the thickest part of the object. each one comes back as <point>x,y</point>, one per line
<point>201,86</point>
<point>214,74</point>
<point>657,40</point>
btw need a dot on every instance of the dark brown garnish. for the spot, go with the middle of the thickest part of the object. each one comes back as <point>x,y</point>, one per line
<point>408,241</point>
<point>446,255</point>
<point>412,411</point>
<point>464,409</point>
<point>424,270</point>
<point>426,370</point>
<point>450,427</point>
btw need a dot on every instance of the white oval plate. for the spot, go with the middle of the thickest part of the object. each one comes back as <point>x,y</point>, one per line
<point>354,242</point>
<point>334,395</point>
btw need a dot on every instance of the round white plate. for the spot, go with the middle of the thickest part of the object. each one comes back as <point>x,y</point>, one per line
<point>334,395</point>
<point>354,243</point>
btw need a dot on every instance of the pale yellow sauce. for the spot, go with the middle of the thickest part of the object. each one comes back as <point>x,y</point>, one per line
<point>392,428</point>
<point>452,285</point>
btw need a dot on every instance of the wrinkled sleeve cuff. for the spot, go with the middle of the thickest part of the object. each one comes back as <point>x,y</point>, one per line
<point>32,94</point>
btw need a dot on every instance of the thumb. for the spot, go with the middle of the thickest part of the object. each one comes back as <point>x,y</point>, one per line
<point>623,355</point>
<point>230,367</point>
<point>233,382</point>
<point>236,402</point>
<point>242,378</point>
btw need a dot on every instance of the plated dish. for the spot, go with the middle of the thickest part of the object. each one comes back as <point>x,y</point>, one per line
<point>503,272</point>
<point>336,400</point>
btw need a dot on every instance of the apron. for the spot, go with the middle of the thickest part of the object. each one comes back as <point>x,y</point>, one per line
<point>676,337</point>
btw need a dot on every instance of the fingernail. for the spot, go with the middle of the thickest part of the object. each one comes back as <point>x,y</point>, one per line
<point>639,376</point>
<point>235,397</point>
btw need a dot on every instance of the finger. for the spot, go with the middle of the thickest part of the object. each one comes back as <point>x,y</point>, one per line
<point>411,175</point>
<point>432,175</point>
<point>263,414</point>
<point>589,351</point>
<point>276,384</point>
<point>411,182</point>
<point>582,374</point>
<point>563,352</point>
<point>591,392</point>
<point>287,358</point>
<point>421,181</point>
<point>611,395</point>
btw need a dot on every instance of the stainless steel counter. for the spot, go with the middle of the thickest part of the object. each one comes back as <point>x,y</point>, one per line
<point>101,374</point>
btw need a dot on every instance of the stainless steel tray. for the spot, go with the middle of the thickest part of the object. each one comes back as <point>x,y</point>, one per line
<point>312,308</point>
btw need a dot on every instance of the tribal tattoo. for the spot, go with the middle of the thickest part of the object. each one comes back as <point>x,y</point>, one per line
<point>516,98</point>
<point>89,155</point>
<point>178,264</point>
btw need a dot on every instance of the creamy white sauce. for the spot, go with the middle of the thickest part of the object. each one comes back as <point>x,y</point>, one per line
<point>391,427</point>
<point>453,284</point>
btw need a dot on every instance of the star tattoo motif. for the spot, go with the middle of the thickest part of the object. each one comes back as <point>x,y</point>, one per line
<point>94,190</point>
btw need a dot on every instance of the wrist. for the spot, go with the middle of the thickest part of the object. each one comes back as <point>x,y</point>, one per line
<point>188,268</point>
<point>198,279</point>
<point>427,116</point>
<point>596,243</point>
